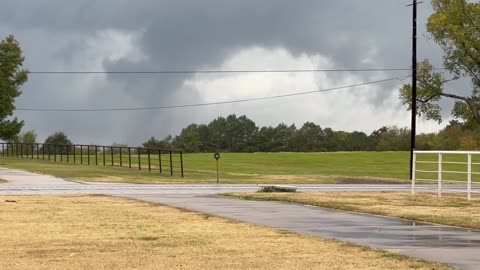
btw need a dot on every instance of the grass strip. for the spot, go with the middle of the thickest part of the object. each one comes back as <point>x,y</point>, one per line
<point>451,209</point>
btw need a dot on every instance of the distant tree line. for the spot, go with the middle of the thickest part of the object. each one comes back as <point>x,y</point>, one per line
<point>240,134</point>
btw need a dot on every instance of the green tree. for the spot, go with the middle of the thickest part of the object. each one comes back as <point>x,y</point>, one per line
<point>394,139</point>
<point>265,139</point>
<point>358,141</point>
<point>242,132</point>
<point>189,139</point>
<point>234,134</point>
<point>455,26</point>
<point>12,76</point>
<point>166,143</point>
<point>449,137</point>
<point>218,137</point>
<point>425,141</point>
<point>310,138</point>
<point>283,137</point>
<point>28,137</point>
<point>58,138</point>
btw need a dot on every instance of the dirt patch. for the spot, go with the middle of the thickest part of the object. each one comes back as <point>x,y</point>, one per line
<point>366,181</point>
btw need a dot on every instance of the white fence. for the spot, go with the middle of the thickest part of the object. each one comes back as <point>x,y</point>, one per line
<point>441,166</point>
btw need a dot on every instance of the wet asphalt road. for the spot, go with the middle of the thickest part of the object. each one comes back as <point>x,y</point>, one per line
<point>455,246</point>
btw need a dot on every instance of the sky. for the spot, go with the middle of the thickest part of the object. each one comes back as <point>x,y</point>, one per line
<point>156,35</point>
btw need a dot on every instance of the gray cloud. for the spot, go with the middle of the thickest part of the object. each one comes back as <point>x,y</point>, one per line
<point>179,35</point>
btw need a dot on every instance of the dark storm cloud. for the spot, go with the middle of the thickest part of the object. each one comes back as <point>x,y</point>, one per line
<point>183,35</point>
<point>190,33</point>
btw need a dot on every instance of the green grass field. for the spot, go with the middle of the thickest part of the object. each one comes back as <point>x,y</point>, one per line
<point>242,167</point>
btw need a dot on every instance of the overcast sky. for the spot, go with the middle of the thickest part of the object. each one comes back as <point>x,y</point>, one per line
<point>152,35</point>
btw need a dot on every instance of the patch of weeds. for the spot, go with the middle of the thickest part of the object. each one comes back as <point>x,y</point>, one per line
<point>148,238</point>
<point>269,189</point>
<point>285,232</point>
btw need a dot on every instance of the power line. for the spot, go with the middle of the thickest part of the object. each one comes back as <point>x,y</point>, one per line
<point>224,71</point>
<point>213,103</point>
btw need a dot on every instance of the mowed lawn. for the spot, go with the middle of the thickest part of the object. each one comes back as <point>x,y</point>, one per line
<point>307,168</point>
<point>97,232</point>
<point>234,167</point>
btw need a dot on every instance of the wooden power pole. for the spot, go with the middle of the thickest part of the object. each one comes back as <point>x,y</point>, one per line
<point>414,85</point>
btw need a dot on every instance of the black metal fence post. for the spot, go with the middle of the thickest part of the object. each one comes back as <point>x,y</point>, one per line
<point>88,154</point>
<point>129,157</point>
<point>74,154</point>
<point>61,153</point>
<point>55,153</point>
<point>68,153</point>
<point>38,150</point>
<point>139,159</point>
<point>81,154</point>
<point>149,164</point>
<point>181,162</point>
<point>103,150</point>
<point>121,163</point>
<point>21,150</point>
<point>111,154</point>
<point>171,163</point>
<point>160,160</point>
<point>96,155</point>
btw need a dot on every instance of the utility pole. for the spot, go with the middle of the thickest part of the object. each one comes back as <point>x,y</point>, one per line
<point>414,85</point>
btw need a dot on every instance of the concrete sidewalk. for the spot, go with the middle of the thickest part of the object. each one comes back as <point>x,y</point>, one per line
<point>455,246</point>
<point>23,178</point>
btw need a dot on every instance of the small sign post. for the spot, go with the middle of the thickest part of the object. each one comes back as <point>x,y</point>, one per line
<point>216,156</point>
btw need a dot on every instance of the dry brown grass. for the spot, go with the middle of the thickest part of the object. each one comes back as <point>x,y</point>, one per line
<point>96,232</point>
<point>451,209</point>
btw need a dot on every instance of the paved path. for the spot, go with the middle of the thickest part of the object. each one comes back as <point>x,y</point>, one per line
<point>456,246</point>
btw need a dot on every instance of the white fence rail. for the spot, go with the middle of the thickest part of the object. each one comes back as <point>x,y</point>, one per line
<point>436,162</point>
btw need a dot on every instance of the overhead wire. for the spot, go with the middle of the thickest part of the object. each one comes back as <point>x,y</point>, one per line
<point>223,71</point>
<point>213,103</point>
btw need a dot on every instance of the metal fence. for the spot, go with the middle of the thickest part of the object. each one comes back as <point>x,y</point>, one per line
<point>151,159</point>
<point>461,168</point>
